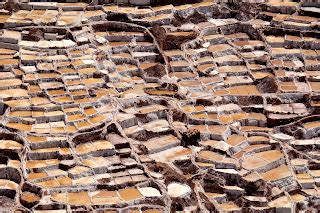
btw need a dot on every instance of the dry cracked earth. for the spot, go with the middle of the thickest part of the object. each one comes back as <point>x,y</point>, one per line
<point>205,107</point>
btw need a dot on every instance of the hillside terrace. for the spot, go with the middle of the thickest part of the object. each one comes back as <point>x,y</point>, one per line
<point>204,107</point>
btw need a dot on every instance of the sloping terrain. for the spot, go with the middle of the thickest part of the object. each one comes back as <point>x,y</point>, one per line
<point>206,107</point>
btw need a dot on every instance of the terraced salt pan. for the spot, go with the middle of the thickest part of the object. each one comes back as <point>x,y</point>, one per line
<point>178,190</point>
